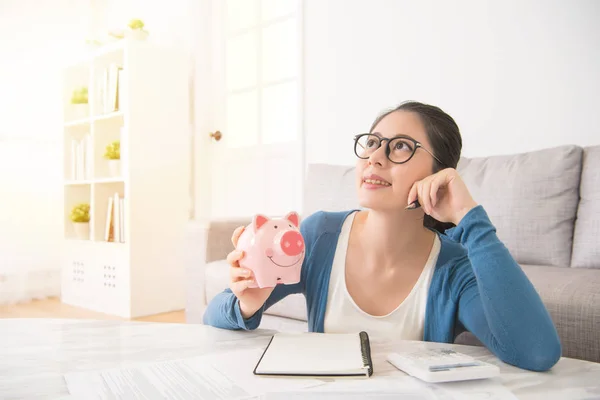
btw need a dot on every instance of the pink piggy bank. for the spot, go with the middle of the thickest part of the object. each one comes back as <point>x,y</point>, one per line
<point>273,250</point>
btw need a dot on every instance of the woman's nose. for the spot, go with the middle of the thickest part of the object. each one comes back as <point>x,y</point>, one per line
<point>378,156</point>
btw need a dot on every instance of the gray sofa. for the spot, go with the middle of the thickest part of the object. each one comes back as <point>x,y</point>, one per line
<point>545,205</point>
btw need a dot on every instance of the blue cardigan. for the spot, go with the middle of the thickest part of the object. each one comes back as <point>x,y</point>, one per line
<point>476,286</point>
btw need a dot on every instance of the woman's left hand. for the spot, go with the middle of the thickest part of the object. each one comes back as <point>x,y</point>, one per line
<point>443,195</point>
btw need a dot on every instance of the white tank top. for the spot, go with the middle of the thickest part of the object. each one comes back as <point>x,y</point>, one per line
<point>343,315</point>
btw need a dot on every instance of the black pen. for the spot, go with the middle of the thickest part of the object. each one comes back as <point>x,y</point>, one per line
<point>413,205</point>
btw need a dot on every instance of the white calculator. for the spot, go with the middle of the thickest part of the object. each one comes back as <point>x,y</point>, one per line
<point>442,365</point>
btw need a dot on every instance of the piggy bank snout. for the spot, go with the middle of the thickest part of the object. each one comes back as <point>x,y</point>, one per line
<point>292,243</point>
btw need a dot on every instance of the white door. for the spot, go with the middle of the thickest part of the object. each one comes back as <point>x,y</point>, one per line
<point>249,151</point>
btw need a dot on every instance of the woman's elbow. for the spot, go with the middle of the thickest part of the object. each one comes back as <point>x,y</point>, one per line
<point>540,357</point>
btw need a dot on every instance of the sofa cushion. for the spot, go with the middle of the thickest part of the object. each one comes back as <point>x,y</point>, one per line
<point>531,199</point>
<point>572,297</point>
<point>217,280</point>
<point>586,241</point>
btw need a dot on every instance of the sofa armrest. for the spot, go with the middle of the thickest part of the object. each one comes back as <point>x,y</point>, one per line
<point>206,242</point>
<point>218,242</point>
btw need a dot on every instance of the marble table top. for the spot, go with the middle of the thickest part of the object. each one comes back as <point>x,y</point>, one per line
<point>36,353</point>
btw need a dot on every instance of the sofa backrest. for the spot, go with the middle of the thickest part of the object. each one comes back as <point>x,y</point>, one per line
<point>531,198</point>
<point>586,241</point>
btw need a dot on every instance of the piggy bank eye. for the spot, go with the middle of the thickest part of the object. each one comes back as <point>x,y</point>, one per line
<point>290,225</point>
<point>275,227</point>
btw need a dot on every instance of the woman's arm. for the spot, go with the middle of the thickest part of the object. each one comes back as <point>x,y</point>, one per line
<point>224,309</point>
<point>496,300</point>
<point>498,303</point>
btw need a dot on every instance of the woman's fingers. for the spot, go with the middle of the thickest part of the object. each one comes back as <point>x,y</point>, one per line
<point>433,190</point>
<point>239,286</point>
<point>237,274</point>
<point>412,194</point>
<point>425,195</point>
<point>427,191</point>
<point>234,257</point>
<point>236,235</point>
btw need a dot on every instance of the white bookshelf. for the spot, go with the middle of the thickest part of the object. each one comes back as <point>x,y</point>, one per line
<point>142,273</point>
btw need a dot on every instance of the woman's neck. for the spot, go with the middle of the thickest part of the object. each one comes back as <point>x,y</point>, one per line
<point>394,239</point>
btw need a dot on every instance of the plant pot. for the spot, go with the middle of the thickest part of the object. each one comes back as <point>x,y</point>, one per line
<point>82,230</point>
<point>114,168</point>
<point>80,111</point>
<point>136,34</point>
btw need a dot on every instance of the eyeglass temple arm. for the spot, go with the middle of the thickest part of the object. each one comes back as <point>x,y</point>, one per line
<point>432,155</point>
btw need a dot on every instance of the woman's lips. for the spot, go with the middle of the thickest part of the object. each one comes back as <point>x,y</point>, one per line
<point>374,184</point>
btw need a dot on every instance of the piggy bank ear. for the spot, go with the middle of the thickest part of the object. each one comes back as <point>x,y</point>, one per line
<point>293,217</point>
<point>258,221</point>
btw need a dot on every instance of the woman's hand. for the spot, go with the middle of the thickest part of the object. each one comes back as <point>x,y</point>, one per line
<point>251,299</point>
<point>443,195</point>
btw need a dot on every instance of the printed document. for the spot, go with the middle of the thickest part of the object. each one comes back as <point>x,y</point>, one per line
<point>216,376</point>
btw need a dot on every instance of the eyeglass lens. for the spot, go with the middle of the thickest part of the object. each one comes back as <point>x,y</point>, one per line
<point>400,149</point>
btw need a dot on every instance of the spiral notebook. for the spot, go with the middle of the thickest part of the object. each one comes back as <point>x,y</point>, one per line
<point>317,354</point>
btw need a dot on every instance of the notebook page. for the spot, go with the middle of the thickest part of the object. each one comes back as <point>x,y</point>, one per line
<point>313,353</point>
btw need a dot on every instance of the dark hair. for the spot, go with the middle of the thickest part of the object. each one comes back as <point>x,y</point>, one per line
<point>444,137</point>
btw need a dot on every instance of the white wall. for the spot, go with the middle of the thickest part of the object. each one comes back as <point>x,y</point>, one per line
<point>516,75</point>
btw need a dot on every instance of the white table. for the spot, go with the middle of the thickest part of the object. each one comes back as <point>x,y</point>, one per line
<point>35,353</point>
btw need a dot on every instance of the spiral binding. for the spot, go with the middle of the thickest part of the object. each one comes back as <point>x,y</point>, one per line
<point>365,348</point>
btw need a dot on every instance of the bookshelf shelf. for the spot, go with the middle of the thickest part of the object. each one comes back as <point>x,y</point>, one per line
<point>94,181</point>
<point>114,114</point>
<point>81,182</point>
<point>77,122</point>
<point>108,180</point>
<point>137,94</point>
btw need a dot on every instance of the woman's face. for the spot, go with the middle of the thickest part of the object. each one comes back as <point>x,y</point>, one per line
<point>382,184</point>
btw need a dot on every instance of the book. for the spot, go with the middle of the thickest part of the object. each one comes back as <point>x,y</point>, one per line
<point>317,354</point>
<point>81,158</point>
<point>73,159</point>
<point>122,219</point>
<point>117,218</point>
<point>109,88</point>
<point>108,230</point>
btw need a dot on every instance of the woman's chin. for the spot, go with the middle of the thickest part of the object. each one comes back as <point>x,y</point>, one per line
<point>373,201</point>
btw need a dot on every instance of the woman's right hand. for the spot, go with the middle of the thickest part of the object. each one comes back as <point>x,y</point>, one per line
<point>251,299</point>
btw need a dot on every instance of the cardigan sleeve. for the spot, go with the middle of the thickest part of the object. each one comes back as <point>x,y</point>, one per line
<point>498,303</point>
<point>223,311</point>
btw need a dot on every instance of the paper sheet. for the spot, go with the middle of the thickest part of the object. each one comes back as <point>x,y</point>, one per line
<point>481,389</point>
<point>219,376</point>
<point>384,388</point>
<point>375,388</point>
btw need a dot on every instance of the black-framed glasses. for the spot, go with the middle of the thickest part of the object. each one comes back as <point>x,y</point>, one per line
<point>400,149</point>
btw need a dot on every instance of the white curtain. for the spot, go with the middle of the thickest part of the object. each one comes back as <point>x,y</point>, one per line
<point>35,37</point>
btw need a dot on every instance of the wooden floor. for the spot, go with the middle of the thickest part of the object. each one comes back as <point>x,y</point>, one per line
<point>53,308</point>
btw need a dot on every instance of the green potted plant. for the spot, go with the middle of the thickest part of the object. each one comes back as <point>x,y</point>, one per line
<point>113,155</point>
<point>80,217</point>
<point>79,101</point>
<point>136,29</point>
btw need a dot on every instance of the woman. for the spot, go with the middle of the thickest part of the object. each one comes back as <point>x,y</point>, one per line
<point>421,262</point>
